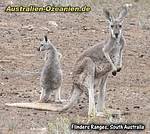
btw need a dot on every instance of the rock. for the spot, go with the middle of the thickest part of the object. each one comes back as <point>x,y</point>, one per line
<point>82,101</point>
<point>29,27</point>
<point>22,34</point>
<point>63,28</point>
<point>6,78</point>
<point>110,107</point>
<point>35,113</point>
<point>81,107</point>
<point>53,23</point>
<point>26,96</point>
<point>127,109</point>
<point>15,93</point>
<point>136,107</point>
<point>2,83</point>
<point>84,28</point>
<point>28,114</point>
<point>141,56</point>
<point>132,23</point>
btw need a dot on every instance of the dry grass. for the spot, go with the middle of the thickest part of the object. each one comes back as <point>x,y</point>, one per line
<point>62,124</point>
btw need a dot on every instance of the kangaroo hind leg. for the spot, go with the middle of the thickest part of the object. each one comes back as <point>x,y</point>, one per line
<point>44,95</point>
<point>89,71</point>
<point>101,96</point>
<point>58,98</point>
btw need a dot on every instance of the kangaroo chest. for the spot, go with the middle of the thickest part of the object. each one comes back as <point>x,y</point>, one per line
<point>115,53</point>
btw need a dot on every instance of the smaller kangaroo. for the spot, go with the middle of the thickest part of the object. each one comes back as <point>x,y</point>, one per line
<point>51,75</point>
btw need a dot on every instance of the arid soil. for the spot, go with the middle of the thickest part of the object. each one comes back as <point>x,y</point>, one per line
<point>21,63</point>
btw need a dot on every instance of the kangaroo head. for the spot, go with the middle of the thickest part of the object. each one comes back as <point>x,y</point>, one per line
<point>115,23</point>
<point>45,44</point>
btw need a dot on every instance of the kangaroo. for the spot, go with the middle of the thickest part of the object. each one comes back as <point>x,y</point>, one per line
<point>95,63</point>
<point>51,75</point>
<point>92,67</point>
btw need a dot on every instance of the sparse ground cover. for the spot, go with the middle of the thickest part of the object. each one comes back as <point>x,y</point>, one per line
<point>20,63</point>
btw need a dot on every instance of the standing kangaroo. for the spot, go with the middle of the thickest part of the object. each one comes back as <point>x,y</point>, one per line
<point>51,76</point>
<point>92,67</point>
<point>95,63</point>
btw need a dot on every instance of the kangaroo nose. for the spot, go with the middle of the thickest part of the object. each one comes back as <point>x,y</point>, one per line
<point>38,49</point>
<point>116,34</point>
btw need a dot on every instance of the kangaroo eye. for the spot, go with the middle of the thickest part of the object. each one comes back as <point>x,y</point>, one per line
<point>112,26</point>
<point>120,26</point>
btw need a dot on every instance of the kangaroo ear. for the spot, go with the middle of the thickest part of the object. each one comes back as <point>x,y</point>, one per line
<point>124,11</point>
<point>45,37</point>
<point>107,15</point>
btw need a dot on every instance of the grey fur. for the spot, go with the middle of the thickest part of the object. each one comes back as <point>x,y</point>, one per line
<point>95,64</point>
<point>51,75</point>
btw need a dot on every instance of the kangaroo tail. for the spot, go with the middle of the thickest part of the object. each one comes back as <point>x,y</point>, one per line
<point>47,106</point>
<point>75,96</point>
<point>35,105</point>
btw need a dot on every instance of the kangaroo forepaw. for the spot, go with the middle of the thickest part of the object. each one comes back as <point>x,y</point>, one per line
<point>119,69</point>
<point>114,73</point>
